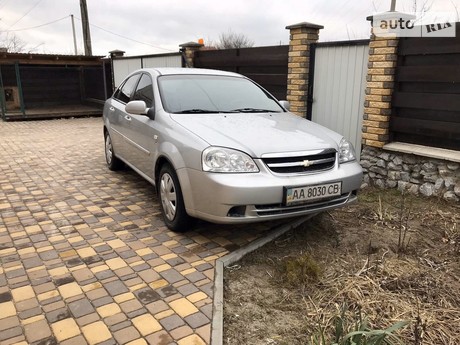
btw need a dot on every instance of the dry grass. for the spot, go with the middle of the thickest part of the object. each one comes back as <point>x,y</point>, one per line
<point>364,265</point>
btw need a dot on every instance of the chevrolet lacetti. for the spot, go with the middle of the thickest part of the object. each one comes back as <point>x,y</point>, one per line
<point>219,147</point>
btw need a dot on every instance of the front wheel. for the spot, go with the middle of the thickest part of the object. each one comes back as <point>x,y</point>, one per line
<point>172,202</point>
<point>113,163</point>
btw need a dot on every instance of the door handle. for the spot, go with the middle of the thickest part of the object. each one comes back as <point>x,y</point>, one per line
<point>127,118</point>
<point>112,109</point>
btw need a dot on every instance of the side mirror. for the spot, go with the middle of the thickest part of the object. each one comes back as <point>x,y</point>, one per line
<point>285,105</point>
<point>136,108</point>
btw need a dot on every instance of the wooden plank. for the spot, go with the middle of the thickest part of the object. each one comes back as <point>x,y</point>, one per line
<point>251,60</point>
<point>416,87</point>
<point>426,114</point>
<point>424,45</point>
<point>428,128</point>
<point>283,70</point>
<point>432,60</point>
<point>273,79</point>
<point>273,50</point>
<point>450,74</point>
<point>426,140</point>
<point>449,102</point>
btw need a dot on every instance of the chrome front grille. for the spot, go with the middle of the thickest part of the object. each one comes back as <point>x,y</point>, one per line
<point>323,160</point>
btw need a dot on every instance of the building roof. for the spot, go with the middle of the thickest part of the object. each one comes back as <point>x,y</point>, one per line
<point>49,59</point>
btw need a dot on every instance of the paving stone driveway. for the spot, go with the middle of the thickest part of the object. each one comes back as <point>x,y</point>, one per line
<point>85,257</point>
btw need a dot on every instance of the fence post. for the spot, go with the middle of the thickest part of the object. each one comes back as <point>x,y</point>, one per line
<point>301,36</point>
<point>188,52</point>
<point>383,57</point>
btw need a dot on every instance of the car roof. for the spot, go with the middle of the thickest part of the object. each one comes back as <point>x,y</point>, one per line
<point>176,70</point>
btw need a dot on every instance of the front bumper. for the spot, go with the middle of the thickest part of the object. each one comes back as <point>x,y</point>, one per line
<point>243,198</point>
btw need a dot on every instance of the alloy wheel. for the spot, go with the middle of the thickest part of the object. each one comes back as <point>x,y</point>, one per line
<point>168,196</point>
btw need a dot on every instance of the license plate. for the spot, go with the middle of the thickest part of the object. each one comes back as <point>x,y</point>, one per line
<point>300,195</point>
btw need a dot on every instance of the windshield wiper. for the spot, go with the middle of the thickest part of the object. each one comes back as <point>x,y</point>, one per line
<point>202,111</point>
<point>254,110</point>
<point>196,111</point>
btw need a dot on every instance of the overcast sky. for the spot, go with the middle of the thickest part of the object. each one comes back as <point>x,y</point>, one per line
<point>159,26</point>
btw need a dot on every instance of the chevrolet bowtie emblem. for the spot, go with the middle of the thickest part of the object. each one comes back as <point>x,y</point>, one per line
<point>306,163</point>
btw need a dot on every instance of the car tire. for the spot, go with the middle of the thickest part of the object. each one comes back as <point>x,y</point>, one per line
<point>113,163</point>
<point>171,200</point>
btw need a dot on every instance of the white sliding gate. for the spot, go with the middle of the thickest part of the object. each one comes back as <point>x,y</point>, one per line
<point>339,82</point>
<point>125,65</point>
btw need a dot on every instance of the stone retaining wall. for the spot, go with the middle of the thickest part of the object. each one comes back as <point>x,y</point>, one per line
<point>408,172</point>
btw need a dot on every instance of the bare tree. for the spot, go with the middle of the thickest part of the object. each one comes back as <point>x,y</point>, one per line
<point>422,7</point>
<point>456,10</point>
<point>12,43</point>
<point>229,40</point>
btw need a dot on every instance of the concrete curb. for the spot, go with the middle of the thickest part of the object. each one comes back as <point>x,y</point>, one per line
<point>217,323</point>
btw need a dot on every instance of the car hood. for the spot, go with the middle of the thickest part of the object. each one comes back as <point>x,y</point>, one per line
<point>259,133</point>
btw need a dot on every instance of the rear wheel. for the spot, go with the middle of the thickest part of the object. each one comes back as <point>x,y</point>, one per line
<point>113,163</point>
<point>172,202</point>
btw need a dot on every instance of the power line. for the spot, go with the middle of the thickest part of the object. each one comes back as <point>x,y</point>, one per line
<point>25,14</point>
<point>127,38</point>
<point>37,26</point>
<point>3,4</point>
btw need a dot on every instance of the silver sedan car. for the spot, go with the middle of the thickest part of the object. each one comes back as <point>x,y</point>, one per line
<point>219,147</point>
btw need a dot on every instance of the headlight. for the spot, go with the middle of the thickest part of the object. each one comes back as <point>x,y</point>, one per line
<point>220,159</point>
<point>346,151</point>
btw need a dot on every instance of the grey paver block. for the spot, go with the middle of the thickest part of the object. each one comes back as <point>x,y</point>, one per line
<point>172,276</point>
<point>187,289</point>
<point>9,322</point>
<point>147,295</point>
<point>87,319</point>
<point>161,337</point>
<point>126,335</point>
<point>5,297</point>
<point>15,273</point>
<point>157,307</point>
<point>37,331</point>
<point>207,310</point>
<point>57,315</point>
<point>120,325</point>
<point>115,288</point>
<point>53,306</point>
<point>102,301</point>
<point>104,274</point>
<point>195,276</point>
<point>197,320</point>
<point>148,275</point>
<point>136,312</point>
<point>167,291</point>
<point>81,308</point>
<point>171,322</point>
<point>30,313</point>
<point>130,306</point>
<point>115,319</point>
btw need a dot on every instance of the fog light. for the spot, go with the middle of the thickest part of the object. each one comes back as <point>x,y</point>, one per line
<point>237,211</point>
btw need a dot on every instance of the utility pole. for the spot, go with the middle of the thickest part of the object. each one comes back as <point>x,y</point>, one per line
<point>85,26</point>
<point>393,5</point>
<point>74,36</point>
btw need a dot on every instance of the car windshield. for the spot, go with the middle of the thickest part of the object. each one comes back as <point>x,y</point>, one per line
<point>189,94</point>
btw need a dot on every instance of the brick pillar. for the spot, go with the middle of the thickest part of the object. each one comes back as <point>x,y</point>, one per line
<point>301,36</point>
<point>188,50</point>
<point>379,88</point>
